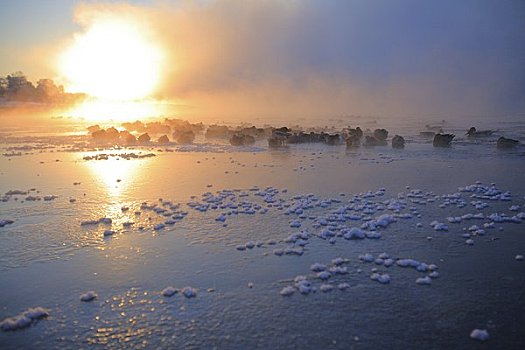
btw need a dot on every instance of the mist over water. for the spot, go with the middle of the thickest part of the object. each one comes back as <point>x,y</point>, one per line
<point>251,59</point>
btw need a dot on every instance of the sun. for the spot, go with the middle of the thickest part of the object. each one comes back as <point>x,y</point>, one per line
<point>114,59</point>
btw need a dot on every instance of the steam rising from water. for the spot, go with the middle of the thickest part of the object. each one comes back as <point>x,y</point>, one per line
<point>441,59</point>
<point>309,58</point>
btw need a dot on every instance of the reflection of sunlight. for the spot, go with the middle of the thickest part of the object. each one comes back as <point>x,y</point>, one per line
<point>116,174</point>
<point>99,110</point>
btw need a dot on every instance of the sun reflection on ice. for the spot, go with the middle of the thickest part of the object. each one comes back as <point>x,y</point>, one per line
<point>116,174</point>
<point>115,177</point>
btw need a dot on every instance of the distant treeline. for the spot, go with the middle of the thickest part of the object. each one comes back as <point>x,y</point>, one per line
<point>16,88</point>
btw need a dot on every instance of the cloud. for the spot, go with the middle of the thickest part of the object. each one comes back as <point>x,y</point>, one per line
<point>440,58</point>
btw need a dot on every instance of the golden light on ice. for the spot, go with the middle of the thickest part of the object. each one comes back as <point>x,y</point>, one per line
<point>114,59</point>
<point>115,175</point>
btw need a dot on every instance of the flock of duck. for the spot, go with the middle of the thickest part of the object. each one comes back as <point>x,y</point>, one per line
<point>182,132</point>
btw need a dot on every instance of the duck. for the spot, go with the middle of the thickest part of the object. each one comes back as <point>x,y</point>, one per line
<point>443,140</point>
<point>472,132</point>
<point>506,143</point>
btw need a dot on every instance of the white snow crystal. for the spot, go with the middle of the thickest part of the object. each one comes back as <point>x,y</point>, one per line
<point>380,277</point>
<point>354,233</point>
<point>366,257</point>
<point>338,261</point>
<point>24,319</point>
<point>169,291</point>
<point>287,291</point>
<point>317,267</point>
<point>189,292</point>
<point>324,275</point>
<point>424,280</point>
<point>343,286</point>
<point>88,296</point>
<point>480,334</point>
<point>325,288</point>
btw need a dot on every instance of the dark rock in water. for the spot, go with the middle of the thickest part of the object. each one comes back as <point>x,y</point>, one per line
<point>472,132</point>
<point>353,137</point>
<point>184,137</point>
<point>356,133</point>
<point>274,142</point>
<point>112,133</point>
<point>381,134</point>
<point>278,139</point>
<point>302,137</point>
<point>134,126</point>
<point>241,140</point>
<point>93,128</point>
<point>163,140</point>
<point>109,135</point>
<point>144,138</point>
<point>218,132</point>
<point>157,128</point>
<point>398,142</point>
<point>126,138</point>
<point>283,129</point>
<point>372,141</point>
<point>257,133</point>
<point>352,141</point>
<point>505,143</point>
<point>443,140</point>
<point>99,135</point>
<point>333,140</point>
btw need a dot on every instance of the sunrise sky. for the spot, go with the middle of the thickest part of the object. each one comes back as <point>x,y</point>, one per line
<point>406,56</point>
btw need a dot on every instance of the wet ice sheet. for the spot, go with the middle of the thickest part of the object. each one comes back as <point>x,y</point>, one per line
<point>255,193</point>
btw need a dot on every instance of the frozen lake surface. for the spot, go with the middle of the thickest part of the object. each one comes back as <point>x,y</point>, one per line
<point>213,246</point>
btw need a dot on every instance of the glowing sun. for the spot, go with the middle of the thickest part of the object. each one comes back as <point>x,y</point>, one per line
<point>113,59</point>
